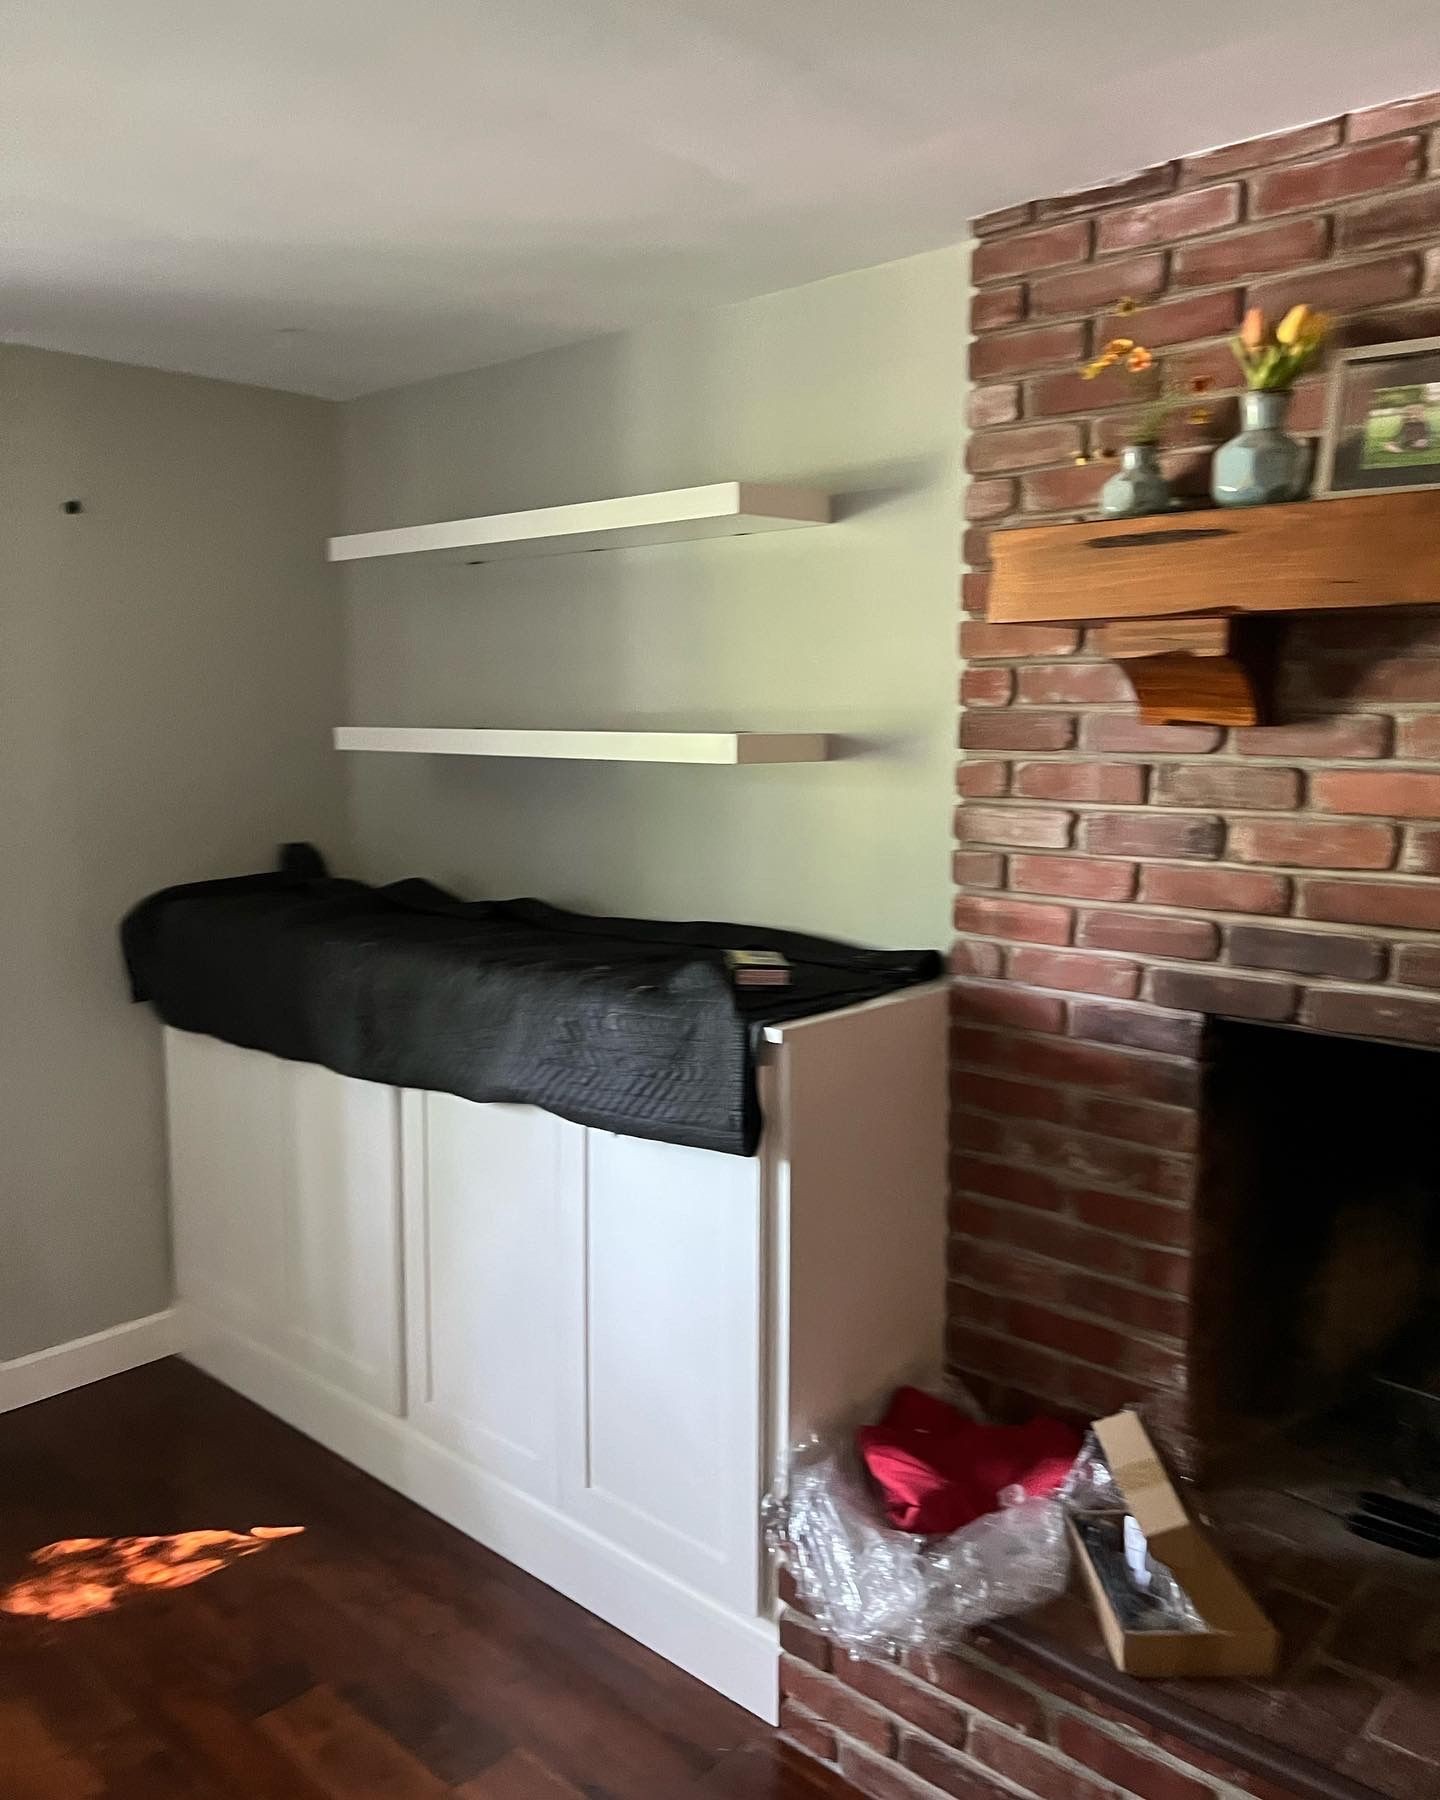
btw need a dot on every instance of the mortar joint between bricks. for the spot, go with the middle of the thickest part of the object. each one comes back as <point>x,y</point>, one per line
<point>1057,1706</point>
<point>1080,1131</point>
<point>1069,1189</point>
<point>1125,1333</point>
<point>1050,1084</point>
<point>1040,1163</point>
<point>1083,1315</point>
<point>1038,1035</point>
<point>1286,921</point>
<point>1151,808</point>
<point>1064,1179</point>
<point>1127,1239</point>
<point>1139,1056</point>
<point>1059,1263</point>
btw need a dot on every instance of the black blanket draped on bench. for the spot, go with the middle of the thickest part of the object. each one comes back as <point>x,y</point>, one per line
<point>631,1025</point>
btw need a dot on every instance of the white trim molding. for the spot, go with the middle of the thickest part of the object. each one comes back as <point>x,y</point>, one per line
<point>46,1373</point>
<point>739,1657</point>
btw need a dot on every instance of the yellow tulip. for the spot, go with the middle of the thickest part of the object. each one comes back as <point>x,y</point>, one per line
<point>1291,327</point>
<point>1252,332</point>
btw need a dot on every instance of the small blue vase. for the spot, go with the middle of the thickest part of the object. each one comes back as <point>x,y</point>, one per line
<point>1264,464</point>
<point>1137,487</point>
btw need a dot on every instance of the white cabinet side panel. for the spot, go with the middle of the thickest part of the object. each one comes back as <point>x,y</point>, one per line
<point>228,1175</point>
<point>860,1150</point>
<point>483,1289</point>
<point>343,1268</point>
<point>664,1433</point>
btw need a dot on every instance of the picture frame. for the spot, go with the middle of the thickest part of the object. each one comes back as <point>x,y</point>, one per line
<point>1382,420</point>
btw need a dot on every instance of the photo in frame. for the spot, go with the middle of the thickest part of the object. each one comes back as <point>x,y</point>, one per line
<point>1382,425</point>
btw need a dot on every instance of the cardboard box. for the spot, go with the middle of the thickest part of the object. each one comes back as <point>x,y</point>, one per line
<point>1240,1639</point>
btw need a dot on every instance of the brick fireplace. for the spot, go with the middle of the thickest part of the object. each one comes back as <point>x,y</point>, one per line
<point>1124,890</point>
<point>1121,884</point>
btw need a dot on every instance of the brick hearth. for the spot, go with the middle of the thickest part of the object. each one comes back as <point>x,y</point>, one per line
<point>1120,885</point>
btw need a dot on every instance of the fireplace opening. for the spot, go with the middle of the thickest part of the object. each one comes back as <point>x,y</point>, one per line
<point>1318,1296</point>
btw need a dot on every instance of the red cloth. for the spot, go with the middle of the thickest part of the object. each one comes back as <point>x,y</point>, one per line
<point>937,1470</point>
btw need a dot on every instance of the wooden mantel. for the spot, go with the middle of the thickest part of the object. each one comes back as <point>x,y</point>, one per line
<point>1181,597</point>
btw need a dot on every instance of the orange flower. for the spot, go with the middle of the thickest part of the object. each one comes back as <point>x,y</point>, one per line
<point>1139,360</point>
<point>1252,332</point>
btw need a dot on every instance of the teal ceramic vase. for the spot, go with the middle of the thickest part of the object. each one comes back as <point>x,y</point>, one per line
<point>1264,464</point>
<point>1137,487</point>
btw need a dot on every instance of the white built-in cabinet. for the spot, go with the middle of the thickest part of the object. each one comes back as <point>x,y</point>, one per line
<point>586,1350</point>
<point>286,1187</point>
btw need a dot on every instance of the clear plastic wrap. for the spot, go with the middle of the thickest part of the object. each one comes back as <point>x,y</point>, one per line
<point>874,1588</point>
<point>871,1587</point>
<point>1090,1487</point>
<point>1143,1593</point>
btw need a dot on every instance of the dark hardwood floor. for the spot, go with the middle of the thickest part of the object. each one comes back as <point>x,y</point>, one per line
<point>378,1655</point>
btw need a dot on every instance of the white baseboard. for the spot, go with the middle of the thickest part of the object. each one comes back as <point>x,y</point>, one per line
<point>737,1656</point>
<point>49,1372</point>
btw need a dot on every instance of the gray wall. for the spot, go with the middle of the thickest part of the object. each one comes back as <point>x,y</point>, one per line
<point>169,671</point>
<point>854,384</point>
<point>170,668</point>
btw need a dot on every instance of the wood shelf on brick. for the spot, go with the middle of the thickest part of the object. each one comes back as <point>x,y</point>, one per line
<point>1180,595</point>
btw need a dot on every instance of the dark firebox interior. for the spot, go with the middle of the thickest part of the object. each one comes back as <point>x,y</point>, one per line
<point>1319,1255</point>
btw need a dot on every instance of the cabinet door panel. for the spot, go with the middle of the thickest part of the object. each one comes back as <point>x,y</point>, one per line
<point>285,1194</point>
<point>664,1416</point>
<point>483,1204</point>
<point>228,1175</point>
<point>343,1268</point>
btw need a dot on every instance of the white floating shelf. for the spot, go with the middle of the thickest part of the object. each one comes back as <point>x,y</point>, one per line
<point>724,509</point>
<point>731,747</point>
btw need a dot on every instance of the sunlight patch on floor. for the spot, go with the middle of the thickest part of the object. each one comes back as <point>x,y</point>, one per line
<point>79,1577</point>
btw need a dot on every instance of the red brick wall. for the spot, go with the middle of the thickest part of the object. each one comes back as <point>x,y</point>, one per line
<point>1117,883</point>
<point>961,1725</point>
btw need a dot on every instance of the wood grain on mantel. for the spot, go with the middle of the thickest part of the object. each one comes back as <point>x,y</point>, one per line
<point>1181,599</point>
<point>1359,551</point>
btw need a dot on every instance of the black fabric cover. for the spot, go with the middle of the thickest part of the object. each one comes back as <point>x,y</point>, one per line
<point>626,1024</point>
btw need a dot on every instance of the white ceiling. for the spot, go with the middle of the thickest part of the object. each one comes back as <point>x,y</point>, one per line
<point>336,196</point>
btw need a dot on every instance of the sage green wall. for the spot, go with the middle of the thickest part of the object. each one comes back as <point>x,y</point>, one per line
<point>172,665</point>
<point>169,670</point>
<point>854,384</point>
